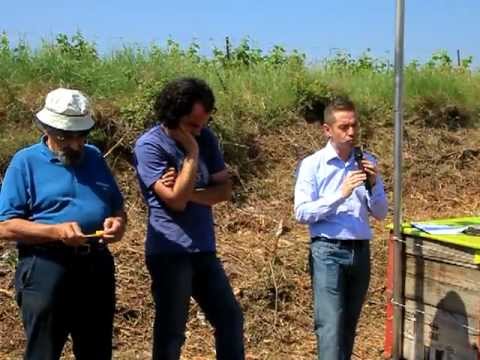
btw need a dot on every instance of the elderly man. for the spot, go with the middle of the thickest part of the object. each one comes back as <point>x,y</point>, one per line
<point>337,189</point>
<point>62,206</point>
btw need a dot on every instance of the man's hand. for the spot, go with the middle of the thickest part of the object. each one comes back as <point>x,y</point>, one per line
<point>168,179</point>
<point>353,180</point>
<point>185,138</point>
<point>113,229</point>
<point>371,170</point>
<point>70,233</point>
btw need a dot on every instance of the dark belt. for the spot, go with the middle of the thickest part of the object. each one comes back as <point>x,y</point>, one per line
<point>344,242</point>
<point>60,249</point>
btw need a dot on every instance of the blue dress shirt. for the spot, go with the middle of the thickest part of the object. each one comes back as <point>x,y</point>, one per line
<point>320,204</point>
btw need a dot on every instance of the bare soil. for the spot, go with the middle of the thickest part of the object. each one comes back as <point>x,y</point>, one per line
<point>265,251</point>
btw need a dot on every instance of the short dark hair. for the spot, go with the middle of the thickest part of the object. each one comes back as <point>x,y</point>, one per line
<point>338,104</point>
<point>176,99</point>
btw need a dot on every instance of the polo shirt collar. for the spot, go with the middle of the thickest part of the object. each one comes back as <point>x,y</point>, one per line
<point>46,150</point>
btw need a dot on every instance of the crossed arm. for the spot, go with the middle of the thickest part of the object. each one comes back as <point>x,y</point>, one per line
<point>176,190</point>
<point>220,190</point>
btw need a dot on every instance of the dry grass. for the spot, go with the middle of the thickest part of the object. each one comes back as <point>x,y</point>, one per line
<point>265,251</point>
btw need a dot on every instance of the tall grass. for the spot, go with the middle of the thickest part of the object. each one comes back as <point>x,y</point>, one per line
<point>256,91</point>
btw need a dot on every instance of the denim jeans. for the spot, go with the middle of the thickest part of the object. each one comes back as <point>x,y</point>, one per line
<point>340,273</point>
<point>60,293</point>
<point>176,278</point>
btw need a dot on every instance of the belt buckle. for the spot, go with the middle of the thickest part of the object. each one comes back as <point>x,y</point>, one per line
<point>83,249</point>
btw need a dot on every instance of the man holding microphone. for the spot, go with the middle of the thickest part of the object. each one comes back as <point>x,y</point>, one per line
<point>335,197</point>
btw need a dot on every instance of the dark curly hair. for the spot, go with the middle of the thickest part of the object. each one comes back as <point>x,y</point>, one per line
<point>177,98</point>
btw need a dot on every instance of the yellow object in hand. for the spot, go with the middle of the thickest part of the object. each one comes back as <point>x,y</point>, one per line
<point>98,233</point>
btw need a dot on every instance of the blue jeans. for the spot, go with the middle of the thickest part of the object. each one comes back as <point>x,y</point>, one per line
<point>176,278</point>
<point>340,273</point>
<point>61,293</point>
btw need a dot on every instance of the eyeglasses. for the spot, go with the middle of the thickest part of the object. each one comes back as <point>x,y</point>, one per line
<point>63,136</point>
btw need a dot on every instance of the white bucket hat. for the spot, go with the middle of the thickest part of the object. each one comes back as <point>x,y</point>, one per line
<point>66,109</point>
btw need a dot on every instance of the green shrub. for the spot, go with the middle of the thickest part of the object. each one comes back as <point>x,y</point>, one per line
<point>257,91</point>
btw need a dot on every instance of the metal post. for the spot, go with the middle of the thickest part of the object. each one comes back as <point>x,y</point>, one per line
<point>397,229</point>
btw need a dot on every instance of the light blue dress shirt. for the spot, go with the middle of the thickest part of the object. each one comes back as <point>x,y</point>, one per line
<point>320,204</point>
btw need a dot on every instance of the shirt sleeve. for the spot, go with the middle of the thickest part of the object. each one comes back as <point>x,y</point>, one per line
<point>377,200</point>
<point>310,207</point>
<point>14,196</point>
<point>151,162</point>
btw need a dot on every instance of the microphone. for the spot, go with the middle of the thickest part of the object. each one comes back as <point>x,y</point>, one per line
<point>358,155</point>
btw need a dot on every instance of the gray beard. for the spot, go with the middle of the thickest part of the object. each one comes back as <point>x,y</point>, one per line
<point>70,157</point>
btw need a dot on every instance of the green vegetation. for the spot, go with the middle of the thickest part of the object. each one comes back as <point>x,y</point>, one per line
<point>256,91</point>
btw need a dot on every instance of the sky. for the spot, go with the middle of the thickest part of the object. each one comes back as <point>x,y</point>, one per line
<point>316,28</point>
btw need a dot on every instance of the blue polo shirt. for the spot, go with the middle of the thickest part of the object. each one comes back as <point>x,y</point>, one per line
<point>38,187</point>
<point>191,230</point>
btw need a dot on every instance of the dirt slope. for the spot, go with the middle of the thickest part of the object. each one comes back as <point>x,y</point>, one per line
<point>265,251</point>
